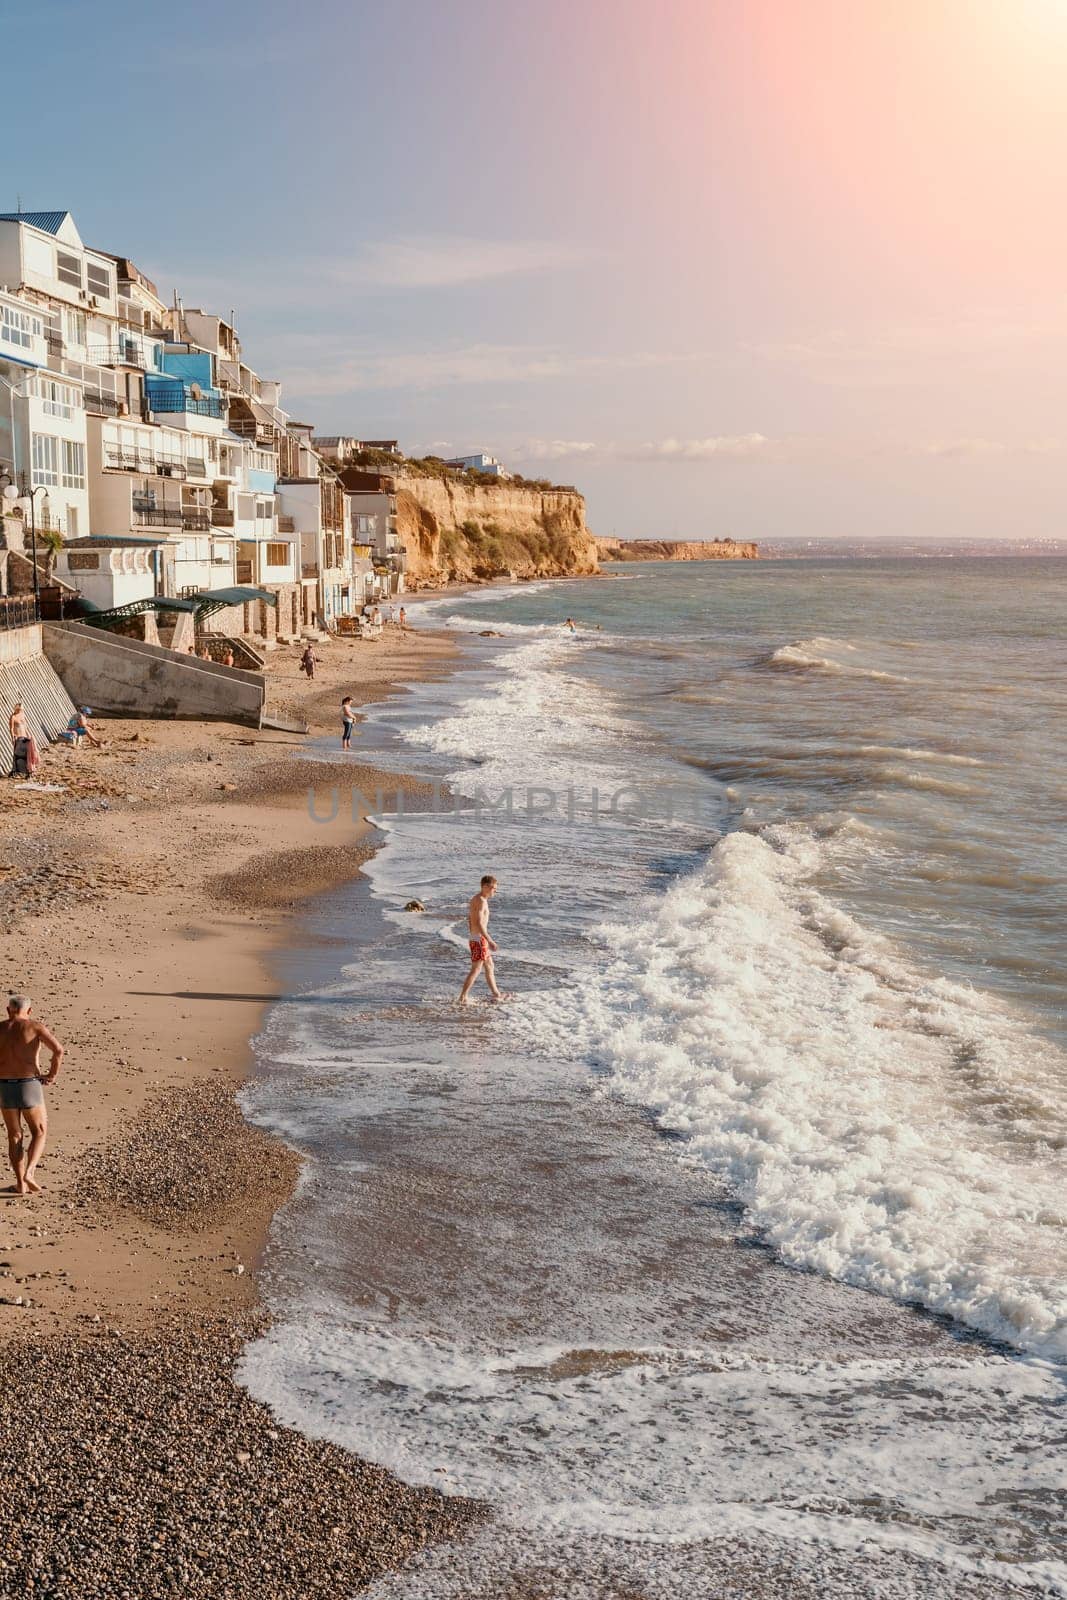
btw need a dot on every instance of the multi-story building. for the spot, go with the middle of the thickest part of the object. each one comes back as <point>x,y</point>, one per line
<point>371,498</point>
<point>141,424</point>
<point>479,463</point>
<point>311,495</point>
<point>337,448</point>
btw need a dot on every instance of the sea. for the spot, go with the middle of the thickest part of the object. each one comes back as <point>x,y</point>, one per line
<point>735,1239</point>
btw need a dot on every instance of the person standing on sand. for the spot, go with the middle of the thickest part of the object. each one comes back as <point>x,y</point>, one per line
<point>307,662</point>
<point>24,756</point>
<point>348,718</point>
<point>482,947</point>
<point>21,1089</point>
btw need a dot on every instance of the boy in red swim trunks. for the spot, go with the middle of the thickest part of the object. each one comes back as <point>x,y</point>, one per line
<point>482,946</point>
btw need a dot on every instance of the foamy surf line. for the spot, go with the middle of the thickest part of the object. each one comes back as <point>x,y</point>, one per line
<point>810,1065</point>
<point>806,1063</point>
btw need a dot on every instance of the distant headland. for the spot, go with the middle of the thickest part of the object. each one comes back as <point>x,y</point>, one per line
<point>676,550</point>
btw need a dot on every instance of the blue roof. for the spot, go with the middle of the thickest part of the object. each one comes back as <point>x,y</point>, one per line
<point>47,221</point>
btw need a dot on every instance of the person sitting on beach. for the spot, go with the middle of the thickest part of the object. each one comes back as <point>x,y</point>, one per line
<point>79,727</point>
<point>21,1089</point>
<point>348,717</point>
<point>481,946</point>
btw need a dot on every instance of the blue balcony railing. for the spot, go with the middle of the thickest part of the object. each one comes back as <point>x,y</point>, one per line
<point>174,399</point>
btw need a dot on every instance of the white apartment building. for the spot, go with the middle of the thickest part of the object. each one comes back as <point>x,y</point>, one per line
<point>165,461</point>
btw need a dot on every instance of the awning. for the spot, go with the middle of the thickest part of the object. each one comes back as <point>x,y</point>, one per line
<point>240,596</point>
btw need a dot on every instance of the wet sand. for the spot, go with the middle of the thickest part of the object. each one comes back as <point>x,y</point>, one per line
<point>141,908</point>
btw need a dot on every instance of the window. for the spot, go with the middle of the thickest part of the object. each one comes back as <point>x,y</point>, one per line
<point>19,327</point>
<point>265,509</point>
<point>278,555</point>
<point>363,527</point>
<point>73,464</point>
<point>68,269</point>
<point>98,279</point>
<point>45,459</point>
<point>75,326</point>
<point>59,398</point>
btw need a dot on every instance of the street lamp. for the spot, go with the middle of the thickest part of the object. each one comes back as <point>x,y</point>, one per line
<point>10,492</point>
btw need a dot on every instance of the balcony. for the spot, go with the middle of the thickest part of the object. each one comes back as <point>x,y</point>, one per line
<point>221,517</point>
<point>286,524</point>
<point>104,405</point>
<point>309,569</point>
<point>153,516</point>
<point>56,342</point>
<point>195,520</point>
<point>250,428</point>
<point>122,353</point>
<point>119,460</point>
<point>244,572</point>
<point>163,401</point>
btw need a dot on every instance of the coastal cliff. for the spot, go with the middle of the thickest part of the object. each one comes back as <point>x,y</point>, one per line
<point>676,550</point>
<point>455,530</point>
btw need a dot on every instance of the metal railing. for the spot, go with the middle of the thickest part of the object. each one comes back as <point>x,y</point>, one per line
<point>196,521</point>
<point>206,406</point>
<point>250,428</point>
<point>134,461</point>
<point>286,524</point>
<point>108,404</point>
<point>221,517</point>
<point>157,516</point>
<point>18,611</point>
<point>123,353</point>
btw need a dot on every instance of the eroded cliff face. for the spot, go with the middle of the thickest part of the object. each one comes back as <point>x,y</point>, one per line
<point>459,531</point>
<point>676,550</point>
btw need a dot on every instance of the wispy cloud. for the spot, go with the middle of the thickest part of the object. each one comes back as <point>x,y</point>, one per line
<point>406,262</point>
<point>441,261</point>
<point>883,357</point>
<point>320,367</point>
<point>721,447</point>
<point>758,447</point>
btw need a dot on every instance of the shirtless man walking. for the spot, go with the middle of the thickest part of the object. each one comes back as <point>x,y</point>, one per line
<point>482,946</point>
<point>21,1091</point>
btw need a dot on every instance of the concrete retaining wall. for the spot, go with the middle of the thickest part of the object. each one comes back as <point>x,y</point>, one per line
<point>132,679</point>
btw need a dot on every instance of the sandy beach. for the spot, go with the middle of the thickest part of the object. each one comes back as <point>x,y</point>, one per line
<point>141,906</point>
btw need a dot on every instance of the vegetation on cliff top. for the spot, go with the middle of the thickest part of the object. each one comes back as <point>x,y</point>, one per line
<point>435,467</point>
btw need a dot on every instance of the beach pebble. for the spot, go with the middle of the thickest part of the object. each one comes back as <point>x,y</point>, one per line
<point>414,905</point>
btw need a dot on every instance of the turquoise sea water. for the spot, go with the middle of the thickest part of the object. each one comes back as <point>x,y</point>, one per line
<point>746,1214</point>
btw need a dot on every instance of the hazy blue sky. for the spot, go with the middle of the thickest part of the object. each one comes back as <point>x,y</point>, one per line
<point>757,267</point>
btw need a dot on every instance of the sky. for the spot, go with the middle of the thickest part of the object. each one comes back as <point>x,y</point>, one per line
<point>761,268</point>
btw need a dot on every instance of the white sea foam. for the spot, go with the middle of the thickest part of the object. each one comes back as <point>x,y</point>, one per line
<point>678,1445</point>
<point>809,655</point>
<point>900,1133</point>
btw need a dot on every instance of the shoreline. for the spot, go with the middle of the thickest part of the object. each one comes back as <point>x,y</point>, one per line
<point>144,916</point>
